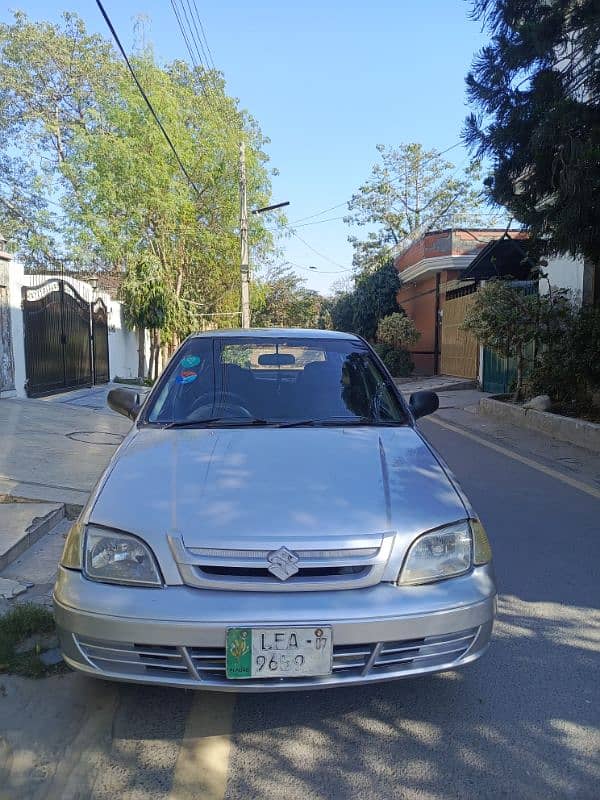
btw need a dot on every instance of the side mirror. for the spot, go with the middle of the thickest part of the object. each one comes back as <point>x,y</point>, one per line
<point>423,403</point>
<point>125,402</point>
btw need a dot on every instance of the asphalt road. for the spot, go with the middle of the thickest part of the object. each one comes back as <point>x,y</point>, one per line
<point>523,722</point>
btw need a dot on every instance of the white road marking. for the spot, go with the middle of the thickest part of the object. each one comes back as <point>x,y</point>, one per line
<point>552,473</point>
<point>203,762</point>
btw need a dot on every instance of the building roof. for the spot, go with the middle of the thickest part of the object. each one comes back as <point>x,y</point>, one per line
<point>502,258</point>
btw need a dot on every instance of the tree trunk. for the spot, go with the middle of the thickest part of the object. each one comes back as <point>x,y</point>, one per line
<point>156,352</point>
<point>518,394</point>
<point>590,294</point>
<point>141,353</point>
<point>165,353</point>
<point>152,348</point>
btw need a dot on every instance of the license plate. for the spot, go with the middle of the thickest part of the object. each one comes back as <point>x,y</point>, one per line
<point>278,652</point>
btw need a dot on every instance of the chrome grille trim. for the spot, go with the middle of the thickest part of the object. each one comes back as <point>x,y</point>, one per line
<point>226,557</point>
<point>368,556</point>
<point>196,665</point>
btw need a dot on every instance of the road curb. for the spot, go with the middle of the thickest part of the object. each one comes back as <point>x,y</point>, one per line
<point>441,387</point>
<point>38,528</point>
<point>574,431</point>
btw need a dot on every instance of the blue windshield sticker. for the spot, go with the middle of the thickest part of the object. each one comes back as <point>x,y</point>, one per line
<point>186,376</point>
<point>189,361</point>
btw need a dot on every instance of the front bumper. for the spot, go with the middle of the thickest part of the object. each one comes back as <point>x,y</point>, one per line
<point>175,636</point>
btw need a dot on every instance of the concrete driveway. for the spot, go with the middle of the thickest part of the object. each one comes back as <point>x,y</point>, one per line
<point>53,450</point>
<point>523,722</point>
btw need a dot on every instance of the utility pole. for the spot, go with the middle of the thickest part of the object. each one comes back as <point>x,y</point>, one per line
<point>244,260</point>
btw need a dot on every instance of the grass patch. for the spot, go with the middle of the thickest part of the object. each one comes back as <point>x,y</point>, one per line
<point>20,623</point>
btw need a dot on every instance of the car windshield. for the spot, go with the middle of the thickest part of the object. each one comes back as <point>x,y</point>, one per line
<point>273,381</point>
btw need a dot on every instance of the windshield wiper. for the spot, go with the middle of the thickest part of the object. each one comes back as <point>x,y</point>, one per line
<point>209,422</point>
<point>340,422</point>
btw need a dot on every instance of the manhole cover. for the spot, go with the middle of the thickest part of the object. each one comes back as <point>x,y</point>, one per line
<point>96,437</point>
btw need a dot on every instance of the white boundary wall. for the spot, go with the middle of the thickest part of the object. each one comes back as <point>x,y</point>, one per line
<point>564,272</point>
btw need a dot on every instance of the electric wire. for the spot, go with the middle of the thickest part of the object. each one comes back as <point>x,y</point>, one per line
<point>146,99</point>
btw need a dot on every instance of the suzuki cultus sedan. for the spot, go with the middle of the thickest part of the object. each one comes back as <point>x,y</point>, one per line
<point>274,520</point>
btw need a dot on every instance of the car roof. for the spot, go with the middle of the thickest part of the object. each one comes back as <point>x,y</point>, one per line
<point>288,333</point>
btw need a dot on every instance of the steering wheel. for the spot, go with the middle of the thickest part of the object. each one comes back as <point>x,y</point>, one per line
<point>231,402</point>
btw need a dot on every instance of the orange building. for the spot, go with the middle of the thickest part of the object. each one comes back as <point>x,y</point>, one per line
<point>430,273</point>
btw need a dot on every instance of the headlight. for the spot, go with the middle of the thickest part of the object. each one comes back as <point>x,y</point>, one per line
<point>114,557</point>
<point>441,554</point>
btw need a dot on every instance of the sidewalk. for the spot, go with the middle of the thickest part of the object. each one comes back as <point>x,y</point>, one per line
<point>461,410</point>
<point>435,383</point>
<point>54,450</point>
<point>93,396</point>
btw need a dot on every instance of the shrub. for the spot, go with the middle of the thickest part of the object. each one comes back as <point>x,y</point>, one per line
<point>397,331</point>
<point>568,368</point>
<point>397,360</point>
<point>510,321</point>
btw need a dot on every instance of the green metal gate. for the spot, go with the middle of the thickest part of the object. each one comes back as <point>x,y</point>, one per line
<point>499,373</point>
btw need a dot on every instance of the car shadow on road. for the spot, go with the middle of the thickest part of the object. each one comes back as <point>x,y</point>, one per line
<point>521,723</point>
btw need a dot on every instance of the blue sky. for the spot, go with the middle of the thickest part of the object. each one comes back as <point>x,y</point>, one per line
<point>327,81</point>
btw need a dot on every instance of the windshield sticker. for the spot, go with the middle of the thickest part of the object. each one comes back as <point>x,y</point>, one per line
<point>189,361</point>
<point>186,376</point>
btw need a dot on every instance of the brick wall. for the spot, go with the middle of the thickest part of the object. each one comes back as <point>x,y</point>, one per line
<point>418,300</point>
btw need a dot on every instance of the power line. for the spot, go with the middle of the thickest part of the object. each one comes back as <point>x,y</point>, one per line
<point>394,180</point>
<point>320,271</point>
<point>320,221</point>
<point>204,35</point>
<point>145,96</point>
<point>199,36</point>
<point>317,252</point>
<point>320,213</point>
<point>208,87</point>
<point>189,39</point>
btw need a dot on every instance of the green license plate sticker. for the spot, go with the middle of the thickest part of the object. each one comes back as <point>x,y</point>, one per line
<point>278,652</point>
<point>239,653</point>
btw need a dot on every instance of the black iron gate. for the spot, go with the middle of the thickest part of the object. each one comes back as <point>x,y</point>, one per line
<point>58,327</point>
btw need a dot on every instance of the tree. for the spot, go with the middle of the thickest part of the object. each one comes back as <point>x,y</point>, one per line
<point>342,312</point>
<point>410,192</point>
<point>536,92</point>
<point>77,137</point>
<point>505,319</point>
<point>397,330</point>
<point>374,298</point>
<point>146,303</point>
<point>281,299</point>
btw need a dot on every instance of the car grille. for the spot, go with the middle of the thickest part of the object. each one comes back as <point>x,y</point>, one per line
<point>195,665</point>
<point>325,568</point>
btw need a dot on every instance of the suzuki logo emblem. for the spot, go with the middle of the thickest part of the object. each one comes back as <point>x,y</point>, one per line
<point>283,563</point>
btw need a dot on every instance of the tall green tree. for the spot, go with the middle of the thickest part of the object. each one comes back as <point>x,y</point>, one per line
<point>373,297</point>
<point>535,89</point>
<point>411,190</point>
<point>281,299</point>
<point>103,185</point>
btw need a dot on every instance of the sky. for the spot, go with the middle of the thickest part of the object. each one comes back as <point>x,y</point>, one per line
<point>327,81</point>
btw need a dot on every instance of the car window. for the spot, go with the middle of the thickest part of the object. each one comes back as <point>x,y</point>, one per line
<point>273,380</point>
<point>249,355</point>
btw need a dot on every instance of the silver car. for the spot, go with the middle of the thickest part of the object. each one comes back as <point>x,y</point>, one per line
<point>274,520</point>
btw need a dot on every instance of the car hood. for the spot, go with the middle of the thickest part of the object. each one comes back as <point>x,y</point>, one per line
<point>220,487</point>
